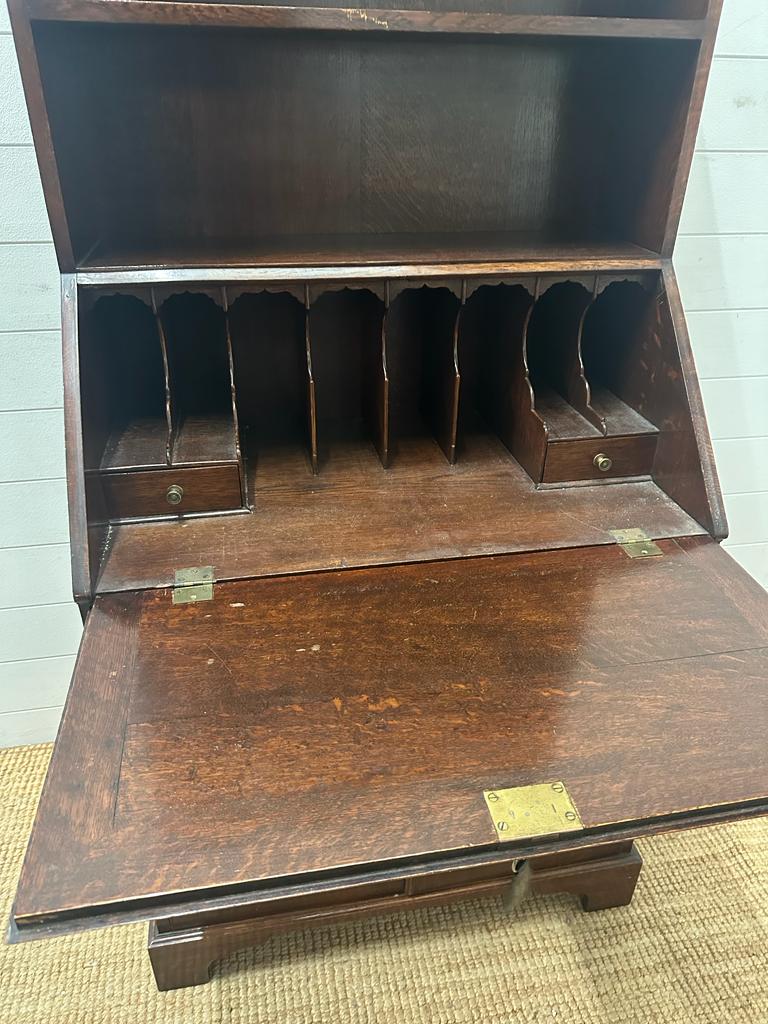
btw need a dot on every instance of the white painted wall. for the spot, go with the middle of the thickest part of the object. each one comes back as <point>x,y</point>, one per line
<point>721,258</point>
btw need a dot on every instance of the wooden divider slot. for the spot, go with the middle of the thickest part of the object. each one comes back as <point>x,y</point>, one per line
<point>271,377</point>
<point>421,330</point>
<point>611,344</point>
<point>123,386</point>
<point>382,426</point>
<point>201,384</point>
<point>452,385</point>
<point>167,379</point>
<point>494,394</point>
<point>276,380</point>
<point>602,371</point>
<point>561,396</point>
<point>232,383</point>
<point>345,334</point>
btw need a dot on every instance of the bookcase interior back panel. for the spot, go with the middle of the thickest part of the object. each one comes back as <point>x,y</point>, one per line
<point>193,145</point>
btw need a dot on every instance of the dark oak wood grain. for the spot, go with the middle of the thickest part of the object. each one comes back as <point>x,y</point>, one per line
<point>142,441</point>
<point>650,53</point>
<point>400,373</point>
<point>345,338</point>
<point>331,17</point>
<point>124,385</point>
<point>456,259</point>
<point>353,514</point>
<point>640,682</point>
<point>346,92</point>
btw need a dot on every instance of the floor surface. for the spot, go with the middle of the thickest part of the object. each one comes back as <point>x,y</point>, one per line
<point>692,948</point>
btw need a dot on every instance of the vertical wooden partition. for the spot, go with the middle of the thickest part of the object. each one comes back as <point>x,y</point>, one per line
<point>167,377</point>
<point>311,390</point>
<point>232,384</point>
<point>382,426</point>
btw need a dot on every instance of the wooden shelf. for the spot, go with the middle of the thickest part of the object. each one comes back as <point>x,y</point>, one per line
<point>357,19</point>
<point>562,420</point>
<point>140,443</point>
<point>365,256</point>
<point>204,439</point>
<point>620,417</point>
<point>566,423</point>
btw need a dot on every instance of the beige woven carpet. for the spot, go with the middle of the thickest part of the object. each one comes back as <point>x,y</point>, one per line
<point>693,948</point>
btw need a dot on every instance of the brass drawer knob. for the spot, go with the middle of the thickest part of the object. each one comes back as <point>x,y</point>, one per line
<point>174,494</point>
<point>602,462</point>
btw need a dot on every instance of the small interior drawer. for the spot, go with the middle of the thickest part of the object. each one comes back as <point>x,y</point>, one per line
<point>160,492</point>
<point>599,458</point>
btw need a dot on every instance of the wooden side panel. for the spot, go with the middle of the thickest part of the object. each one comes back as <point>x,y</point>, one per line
<point>672,202</point>
<point>81,539</point>
<point>685,463</point>
<point>41,133</point>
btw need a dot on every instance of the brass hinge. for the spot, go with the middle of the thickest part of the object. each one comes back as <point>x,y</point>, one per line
<point>636,543</point>
<point>526,812</point>
<point>195,584</point>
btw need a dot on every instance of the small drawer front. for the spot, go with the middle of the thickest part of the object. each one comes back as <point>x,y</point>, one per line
<point>165,492</point>
<point>607,458</point>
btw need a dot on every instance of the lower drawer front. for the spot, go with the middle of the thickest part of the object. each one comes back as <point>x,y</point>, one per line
<point>607,458</point>
<point>460,878</point>
<point>163,492</point>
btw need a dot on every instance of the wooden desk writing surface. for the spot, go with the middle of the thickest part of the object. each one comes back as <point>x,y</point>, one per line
<point>346,720</point>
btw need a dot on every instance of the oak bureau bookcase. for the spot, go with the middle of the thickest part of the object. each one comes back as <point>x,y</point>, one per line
<point>395,523</point>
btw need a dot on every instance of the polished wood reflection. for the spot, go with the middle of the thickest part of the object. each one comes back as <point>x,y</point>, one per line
<point>294,726</point>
